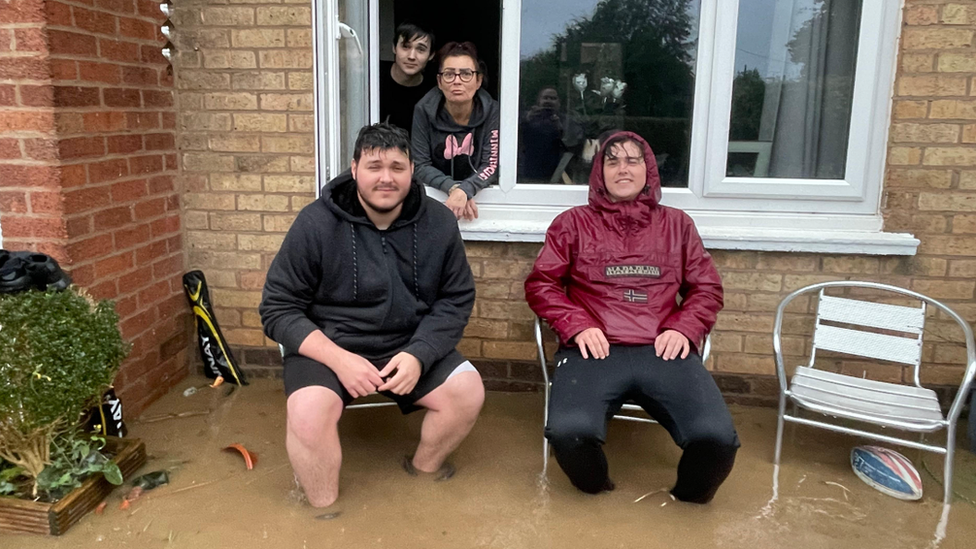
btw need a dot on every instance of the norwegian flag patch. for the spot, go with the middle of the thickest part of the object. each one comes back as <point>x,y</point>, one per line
<point>634,296</point>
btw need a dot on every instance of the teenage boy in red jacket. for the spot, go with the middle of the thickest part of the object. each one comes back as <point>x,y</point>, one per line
<point>607,282</point>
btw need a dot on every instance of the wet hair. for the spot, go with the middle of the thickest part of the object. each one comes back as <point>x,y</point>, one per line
<point>382,137</point>
<point>409,32</point>
<point>618,141</point>
<point>459,49</point>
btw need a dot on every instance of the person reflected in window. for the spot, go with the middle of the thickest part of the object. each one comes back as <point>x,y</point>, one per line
<point>402,82</point>
<point>547,135</point>
<point>455,131</point>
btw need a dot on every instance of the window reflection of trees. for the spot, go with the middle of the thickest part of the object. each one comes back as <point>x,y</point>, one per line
<point>650,45</point>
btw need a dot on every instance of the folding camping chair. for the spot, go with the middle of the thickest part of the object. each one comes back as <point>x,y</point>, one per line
<point>281,349</point>
<point>629,407</point>
<point>864,328</point>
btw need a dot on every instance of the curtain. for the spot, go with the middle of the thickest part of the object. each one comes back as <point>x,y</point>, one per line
<point>807,108</point>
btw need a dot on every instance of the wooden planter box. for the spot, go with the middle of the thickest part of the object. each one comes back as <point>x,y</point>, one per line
<point>20,516</point>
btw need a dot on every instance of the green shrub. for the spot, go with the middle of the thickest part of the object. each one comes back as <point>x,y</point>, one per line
<point>59,351</point>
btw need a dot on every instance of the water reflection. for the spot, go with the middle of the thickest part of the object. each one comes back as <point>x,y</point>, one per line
<point>832,508</point>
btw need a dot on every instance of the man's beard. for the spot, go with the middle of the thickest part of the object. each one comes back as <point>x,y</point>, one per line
<point>376,208</point>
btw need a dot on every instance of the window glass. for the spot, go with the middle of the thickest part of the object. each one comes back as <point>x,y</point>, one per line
<point>793,88</point>
<point>589,68</point>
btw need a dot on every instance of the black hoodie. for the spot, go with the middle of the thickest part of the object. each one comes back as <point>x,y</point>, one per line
<point>374,293</point>
<point>446,153</point>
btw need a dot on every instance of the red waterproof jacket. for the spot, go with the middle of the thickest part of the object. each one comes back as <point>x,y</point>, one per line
<point>621,266</point>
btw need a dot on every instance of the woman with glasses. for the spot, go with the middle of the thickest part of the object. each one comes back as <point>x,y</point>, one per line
<point>454,140</point>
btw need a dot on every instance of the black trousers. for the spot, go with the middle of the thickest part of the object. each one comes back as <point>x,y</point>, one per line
<point>680,394</point>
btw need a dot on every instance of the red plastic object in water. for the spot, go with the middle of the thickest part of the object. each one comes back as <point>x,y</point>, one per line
<point>250,458</point>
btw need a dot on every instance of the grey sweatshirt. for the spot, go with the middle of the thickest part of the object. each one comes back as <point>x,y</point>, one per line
<point>446,153</point>
<point>374,293</point>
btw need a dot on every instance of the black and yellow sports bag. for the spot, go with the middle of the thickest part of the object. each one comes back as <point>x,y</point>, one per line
<point>218,362</point>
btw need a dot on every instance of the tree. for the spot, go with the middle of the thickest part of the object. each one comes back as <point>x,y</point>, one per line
<point>650,45</point>
<point>748,95</point>
<point>655,38</point>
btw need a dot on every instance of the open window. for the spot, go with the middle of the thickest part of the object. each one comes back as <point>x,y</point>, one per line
<point>353,43</point>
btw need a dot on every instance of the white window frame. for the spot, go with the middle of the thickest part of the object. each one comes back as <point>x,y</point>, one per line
<point>867,131</point>
<point>832,216</point>
<point>731,212</point>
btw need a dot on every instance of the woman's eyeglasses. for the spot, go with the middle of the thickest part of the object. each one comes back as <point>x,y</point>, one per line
<point>464,74</point>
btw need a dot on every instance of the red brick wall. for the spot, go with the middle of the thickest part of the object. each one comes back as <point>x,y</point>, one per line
<point>30,205</point>
<point>93,155</point>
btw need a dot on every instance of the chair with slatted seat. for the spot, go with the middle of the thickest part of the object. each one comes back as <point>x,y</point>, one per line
<point>628,412</point>
<point>877,331</point>
<point>361,405</point>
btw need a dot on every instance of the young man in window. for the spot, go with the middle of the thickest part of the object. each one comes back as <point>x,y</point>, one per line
<point>607,281</point>
<point>370,292</point>
<point>402,83</point>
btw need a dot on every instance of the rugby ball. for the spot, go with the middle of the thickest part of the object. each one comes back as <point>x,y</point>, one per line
<point>887,471</point>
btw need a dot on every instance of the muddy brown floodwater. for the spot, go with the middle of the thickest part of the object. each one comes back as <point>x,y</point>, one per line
<point>497,499</point>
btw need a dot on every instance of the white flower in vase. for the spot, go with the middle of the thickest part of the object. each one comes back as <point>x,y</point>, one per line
<point>606,88</point>
<point>580,82</point>
<point>618,90</point>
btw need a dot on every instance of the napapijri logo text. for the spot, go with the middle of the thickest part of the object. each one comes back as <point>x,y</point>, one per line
<point>644,271</point>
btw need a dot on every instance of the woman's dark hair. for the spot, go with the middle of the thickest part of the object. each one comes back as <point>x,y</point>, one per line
<point>458,49</point>
<point>618,141</point>
<point>383,137</point>
<point>409,32</point>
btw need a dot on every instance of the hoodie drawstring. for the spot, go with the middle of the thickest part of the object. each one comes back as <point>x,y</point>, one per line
<point>355,264</point>
<point>416,284</point>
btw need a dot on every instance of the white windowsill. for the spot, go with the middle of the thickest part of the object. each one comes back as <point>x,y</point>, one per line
<point>720,232</point>
<point>856,234</point>
<point>729,238</point>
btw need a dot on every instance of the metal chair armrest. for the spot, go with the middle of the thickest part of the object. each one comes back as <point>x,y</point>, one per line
<point>541,349</point>
<point>778,335</point>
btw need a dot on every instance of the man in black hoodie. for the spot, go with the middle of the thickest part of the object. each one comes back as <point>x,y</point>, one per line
<point>370,292</point>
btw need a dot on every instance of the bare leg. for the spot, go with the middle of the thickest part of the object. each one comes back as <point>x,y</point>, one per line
<point>312,441</point>
<point>452,410</point>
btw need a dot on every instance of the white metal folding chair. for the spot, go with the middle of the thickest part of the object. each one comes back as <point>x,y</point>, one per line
<point>627,407</point>
<point>281,349</point>
<point>864,328</point>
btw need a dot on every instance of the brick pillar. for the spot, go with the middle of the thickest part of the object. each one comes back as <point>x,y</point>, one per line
<point>89,171</point>
<point>30,206</point>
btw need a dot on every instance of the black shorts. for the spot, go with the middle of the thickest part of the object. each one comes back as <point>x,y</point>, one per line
<point>301,371</point>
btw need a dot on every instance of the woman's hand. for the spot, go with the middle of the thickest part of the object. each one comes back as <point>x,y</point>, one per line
<point>457,202</point>
<point>470,210</point>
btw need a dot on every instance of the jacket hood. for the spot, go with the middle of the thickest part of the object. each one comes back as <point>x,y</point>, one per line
<point>433,104</point>
<point>340,196</point>
<point>638,209</point>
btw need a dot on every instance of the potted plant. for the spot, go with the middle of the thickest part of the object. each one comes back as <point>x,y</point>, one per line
<point>59,351</point>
